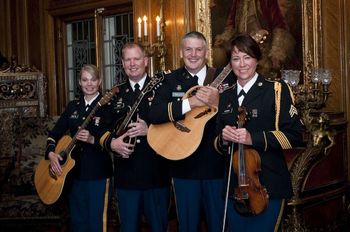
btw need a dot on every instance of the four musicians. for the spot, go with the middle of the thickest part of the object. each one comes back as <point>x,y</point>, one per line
<point>143,178</point>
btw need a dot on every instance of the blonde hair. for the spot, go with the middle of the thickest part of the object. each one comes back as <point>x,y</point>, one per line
<point>92,69</point>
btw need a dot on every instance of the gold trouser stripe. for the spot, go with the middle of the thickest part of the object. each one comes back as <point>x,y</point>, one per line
<point>279,218</point>
<point>105,208</point>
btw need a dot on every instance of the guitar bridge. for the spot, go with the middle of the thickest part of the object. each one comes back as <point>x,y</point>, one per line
<point>181,127</point>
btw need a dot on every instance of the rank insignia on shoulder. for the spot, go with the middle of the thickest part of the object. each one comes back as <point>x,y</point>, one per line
<point>293,111</point>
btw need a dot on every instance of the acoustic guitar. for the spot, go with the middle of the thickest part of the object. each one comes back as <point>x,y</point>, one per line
<point>47,184</point>
<point>122,126</point>
<point>179,139</point>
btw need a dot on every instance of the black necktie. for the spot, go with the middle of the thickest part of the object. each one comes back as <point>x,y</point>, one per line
<point>195,80</point>
<point>137,90</point>
<point>242,93</point>
<point>87,107</point>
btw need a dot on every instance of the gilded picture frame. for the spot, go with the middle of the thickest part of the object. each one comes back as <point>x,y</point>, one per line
<point>310,14</point>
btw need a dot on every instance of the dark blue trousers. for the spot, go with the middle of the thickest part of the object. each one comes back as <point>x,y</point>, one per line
<point>152,203</point>
<point>195,196</point>
<point>267,221</point>
<point>88,204</point>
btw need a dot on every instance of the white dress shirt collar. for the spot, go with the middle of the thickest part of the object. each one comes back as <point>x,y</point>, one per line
<point>201,75</point>
<point>141,82</point>
<point>91,100</point>
<point>247,86</point>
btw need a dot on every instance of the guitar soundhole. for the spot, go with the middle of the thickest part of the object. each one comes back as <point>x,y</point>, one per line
<point>205,112</point>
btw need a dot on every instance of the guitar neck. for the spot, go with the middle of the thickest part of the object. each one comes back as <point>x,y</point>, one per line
<point>83,126</point>
<point>221,77</point>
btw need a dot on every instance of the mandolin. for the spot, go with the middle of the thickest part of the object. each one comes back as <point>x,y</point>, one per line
<point>122,127</point>
<point>179,139</point>
<point>48,185</point>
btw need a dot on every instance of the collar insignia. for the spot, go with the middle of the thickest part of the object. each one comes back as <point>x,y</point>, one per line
<point>254,113</point>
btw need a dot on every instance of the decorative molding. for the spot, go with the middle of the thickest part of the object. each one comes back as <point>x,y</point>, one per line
<point>203,23</point>
<point>24,92</point>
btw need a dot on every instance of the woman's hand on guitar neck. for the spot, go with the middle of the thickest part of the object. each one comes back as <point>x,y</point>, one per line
<point>55,166</point>
<point>85,136</point>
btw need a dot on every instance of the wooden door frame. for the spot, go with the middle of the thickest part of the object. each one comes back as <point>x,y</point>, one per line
<point>56,20</point>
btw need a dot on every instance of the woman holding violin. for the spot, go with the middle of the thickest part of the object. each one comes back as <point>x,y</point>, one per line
<point>256,122</point>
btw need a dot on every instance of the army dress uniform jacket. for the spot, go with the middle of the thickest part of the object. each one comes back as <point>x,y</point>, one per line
<point>91,162</point>
<point>144,169</point>
<point>274,125</point>
<point>205,162</point>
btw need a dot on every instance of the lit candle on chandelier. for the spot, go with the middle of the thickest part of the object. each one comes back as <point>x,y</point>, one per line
<point>158,25</point>
<point>145,25</point>
<point>139,27</point>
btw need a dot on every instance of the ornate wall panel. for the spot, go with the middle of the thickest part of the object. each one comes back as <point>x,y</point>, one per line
<point>23,93</point>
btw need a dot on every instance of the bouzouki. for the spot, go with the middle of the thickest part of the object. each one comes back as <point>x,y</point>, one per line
<point>179,139</point>
<point>122,126</point>
<point>47,184</point>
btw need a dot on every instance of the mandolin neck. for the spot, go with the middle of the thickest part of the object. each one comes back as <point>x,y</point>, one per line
<point>130,113</point>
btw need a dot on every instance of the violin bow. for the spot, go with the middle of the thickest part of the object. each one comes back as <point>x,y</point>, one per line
<point>230,152</point>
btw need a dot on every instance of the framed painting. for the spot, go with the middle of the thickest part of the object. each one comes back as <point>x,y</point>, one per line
<point>304,24</point>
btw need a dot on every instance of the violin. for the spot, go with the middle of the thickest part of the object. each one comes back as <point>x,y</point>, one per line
<point>250,197</point>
